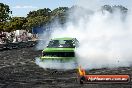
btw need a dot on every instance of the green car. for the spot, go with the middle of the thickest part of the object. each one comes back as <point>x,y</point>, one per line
<point>60,49</point>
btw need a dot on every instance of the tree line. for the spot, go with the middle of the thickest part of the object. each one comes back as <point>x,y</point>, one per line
<point>40,17</point>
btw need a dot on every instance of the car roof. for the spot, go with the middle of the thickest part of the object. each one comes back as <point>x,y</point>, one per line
<point>64,38</point>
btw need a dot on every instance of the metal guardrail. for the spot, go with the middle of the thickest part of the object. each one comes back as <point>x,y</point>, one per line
<point>17,45</point>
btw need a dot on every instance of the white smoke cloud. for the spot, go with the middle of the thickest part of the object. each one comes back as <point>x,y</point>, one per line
<point>54,64</point>
<point>89,4</point>
<point>105,39</point>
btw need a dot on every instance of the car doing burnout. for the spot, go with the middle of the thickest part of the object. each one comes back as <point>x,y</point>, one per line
<point>60,49</point>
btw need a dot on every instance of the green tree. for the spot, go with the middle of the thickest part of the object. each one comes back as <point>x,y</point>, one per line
<point>59,11</point>
<point>2,25</point>
<point>7,27</point>
<point>15,23</point>
<point>107,8</point>
<point>60,14</point>
<point>36,21</point>
<point>121,8</point>
<point>41,12</point>
<point>38,18</point>
<point>4,15</point>
<point>114,8</point>
<point>4,12</point>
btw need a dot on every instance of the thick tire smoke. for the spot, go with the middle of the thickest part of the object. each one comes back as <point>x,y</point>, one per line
<point>54,64</point>
<point>105,38</point>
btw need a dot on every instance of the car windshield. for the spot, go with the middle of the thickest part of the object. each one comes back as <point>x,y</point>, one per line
<point>61,44</point>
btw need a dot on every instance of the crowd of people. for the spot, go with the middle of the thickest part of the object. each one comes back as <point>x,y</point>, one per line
<point>6,37</point>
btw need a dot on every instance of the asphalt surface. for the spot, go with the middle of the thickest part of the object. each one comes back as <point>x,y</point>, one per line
<point>18,70</point>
